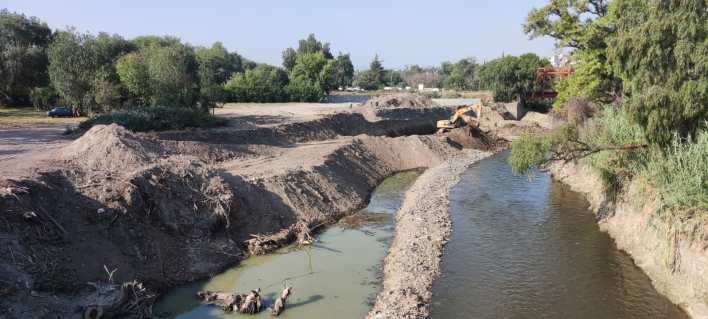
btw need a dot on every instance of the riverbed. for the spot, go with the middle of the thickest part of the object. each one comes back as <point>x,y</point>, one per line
<point>338,276</point>
<point>530,248</point>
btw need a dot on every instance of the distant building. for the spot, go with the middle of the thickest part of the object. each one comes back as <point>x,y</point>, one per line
<point>559,60</point>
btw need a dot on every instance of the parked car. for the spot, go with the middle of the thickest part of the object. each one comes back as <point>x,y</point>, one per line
<point>60,112</point>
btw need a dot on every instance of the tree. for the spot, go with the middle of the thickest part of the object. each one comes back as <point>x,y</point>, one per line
<point>216,65</point>
<point>133,72</point>
<point>78,62</point>
<point>460,75</point>
<point>344,71</point>
<point>305,46</point>
<point>583,25</point>
<point>289,57</point>
<point>163,72</point>
<point>511,77</point>
<point>263,83</point>
<point>660,52</point>
<point>23,58</point>
<point>312,77</point>
<point>377,71</point>
<point>571,22</point>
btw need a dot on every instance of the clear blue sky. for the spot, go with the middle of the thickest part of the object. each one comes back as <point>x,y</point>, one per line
<point>402,32</point>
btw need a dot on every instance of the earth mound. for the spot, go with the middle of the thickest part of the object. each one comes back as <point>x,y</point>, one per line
<point>110,148</point>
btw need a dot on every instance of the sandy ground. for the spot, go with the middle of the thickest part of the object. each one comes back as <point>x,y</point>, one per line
<point>253,115</point>
<point>423,226</point>
<point>25,148</point>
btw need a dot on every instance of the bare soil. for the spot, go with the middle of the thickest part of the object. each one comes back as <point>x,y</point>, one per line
<point>96,214</point>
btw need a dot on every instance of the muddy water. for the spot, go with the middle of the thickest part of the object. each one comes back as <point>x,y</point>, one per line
<point>335,277</point>
<point>532,249</point>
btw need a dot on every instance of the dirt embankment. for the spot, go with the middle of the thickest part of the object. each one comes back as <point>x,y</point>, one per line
<point>168,209</point>
<point>670,246</point>
<point>423,226</point>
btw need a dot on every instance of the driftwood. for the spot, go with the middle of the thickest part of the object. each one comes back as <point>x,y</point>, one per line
<point>244,303</point>
<point>279,305</point>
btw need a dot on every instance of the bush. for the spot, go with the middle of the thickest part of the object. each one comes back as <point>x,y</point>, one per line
<point>157,118</point>
<point>681,173</point>
<point>261,84</point>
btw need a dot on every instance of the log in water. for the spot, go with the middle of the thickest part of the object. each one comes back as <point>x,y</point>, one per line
<point>336,277</point>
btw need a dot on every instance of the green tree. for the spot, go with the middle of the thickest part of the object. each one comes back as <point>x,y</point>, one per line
<point>23,58</point>
<point>133,72</point>
<point>660,52</point>
<point>173,75</point>
<point>583,25</point>
<point>263,83</point>
<point>216,65</point>
<point>511,77</point>
<point>377,71</point>
<point>460,75</point>
<point>305,46</point>
<point>163,72</point>
<point>344,71</point>
<point>78,62</point>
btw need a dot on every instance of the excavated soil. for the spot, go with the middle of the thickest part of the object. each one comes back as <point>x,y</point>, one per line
<point>118,217</point>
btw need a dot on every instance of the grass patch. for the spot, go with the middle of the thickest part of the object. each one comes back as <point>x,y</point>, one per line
<point>20,116</point>
<point>156,118</point>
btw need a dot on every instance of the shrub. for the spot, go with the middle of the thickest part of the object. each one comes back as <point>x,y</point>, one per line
<point>157,118</point>
<point>681,172</point>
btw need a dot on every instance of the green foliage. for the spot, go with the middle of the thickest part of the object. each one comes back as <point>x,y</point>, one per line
<point>79,62</point>
<point>43,97</point>
<point>510,77</point>
<point>344,71</point>
<point>23,58</point>
<point>660,53</point>
<point>216,65</point>
<point>460,75</point>
<point>158,118</point>
<point>528,152</point>
<point>591,79</point>
<point>302,89</point>
<point>570,22</point>
<point>681,173</point>
<point>162,72</point>
<point>134,75</point>
<point>372,79</point>
<point>261,84</point>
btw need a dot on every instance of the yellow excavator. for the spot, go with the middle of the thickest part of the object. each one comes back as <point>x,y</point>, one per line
<point>456,120</point>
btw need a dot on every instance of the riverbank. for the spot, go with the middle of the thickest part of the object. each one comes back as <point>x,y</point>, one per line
<point>423,227</point>
<point>670,246</point>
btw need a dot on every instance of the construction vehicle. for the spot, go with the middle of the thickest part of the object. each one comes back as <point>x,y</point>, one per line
<point>456,119</point>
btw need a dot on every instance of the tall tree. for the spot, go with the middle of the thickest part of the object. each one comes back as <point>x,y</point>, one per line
<point>344,71</point>
<point>23,58</point>
<point>216,65</point>
<point>80,62</point>
<point>584,26</point>
<point>660,51</point>
<point>511,77</point>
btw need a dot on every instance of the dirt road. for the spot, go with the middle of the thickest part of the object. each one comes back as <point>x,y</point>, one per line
<point>25,148</point>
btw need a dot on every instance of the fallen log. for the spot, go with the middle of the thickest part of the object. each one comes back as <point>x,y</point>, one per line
<point>279,305</point>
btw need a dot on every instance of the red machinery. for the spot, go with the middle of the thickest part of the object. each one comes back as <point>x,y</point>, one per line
<point>546,74</point>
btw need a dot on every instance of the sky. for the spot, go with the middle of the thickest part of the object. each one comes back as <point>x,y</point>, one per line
<point>401,32</point>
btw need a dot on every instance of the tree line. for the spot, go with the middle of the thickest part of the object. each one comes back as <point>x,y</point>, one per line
<point>97,73</point>
<point>104,72</point>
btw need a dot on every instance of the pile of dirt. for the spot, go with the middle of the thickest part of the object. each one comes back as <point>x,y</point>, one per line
<point>110,148</point>
<point>473,138</point>
<point>407,100</point>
